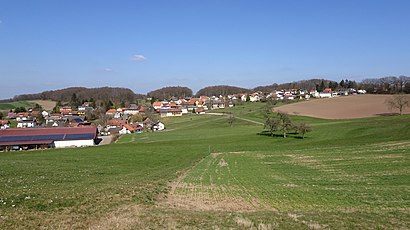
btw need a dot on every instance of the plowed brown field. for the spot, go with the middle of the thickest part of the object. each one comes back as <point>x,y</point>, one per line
<point>356,106</point>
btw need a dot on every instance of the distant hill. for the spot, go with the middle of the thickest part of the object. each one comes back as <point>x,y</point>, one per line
<point>98,94</point>
<point>170,92</point>
<point>221,90</point>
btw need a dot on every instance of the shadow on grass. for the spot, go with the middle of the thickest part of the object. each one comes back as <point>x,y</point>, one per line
<point>388,114</point>
<point>288,135</point>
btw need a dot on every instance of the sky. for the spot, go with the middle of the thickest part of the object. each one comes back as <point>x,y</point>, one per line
<point>146,45</point>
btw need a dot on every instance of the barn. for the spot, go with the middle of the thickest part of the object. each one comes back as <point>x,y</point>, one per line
<point>59,137</point>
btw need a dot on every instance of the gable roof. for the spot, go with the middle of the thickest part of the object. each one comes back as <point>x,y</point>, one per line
<point>3,122</point>
<point>115,122</point>
<point>157,103</point>
<point>111,111</point>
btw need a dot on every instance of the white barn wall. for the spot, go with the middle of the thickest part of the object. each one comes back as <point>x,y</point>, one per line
<point>73,143</point>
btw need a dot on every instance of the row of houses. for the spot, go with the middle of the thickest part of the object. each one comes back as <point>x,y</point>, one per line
<point>121,126</point>
<point>199,105</point>
<point>178,107</point>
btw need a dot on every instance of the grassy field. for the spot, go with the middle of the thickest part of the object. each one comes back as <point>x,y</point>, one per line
<point>201,173</point>
<point>13,105</point>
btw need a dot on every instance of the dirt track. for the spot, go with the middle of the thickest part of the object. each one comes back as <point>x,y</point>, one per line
<point>356,106</point>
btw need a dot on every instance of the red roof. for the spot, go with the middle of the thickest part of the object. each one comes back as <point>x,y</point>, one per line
<point>117,122</point>
<point>48,131</point>
<point>157,103</point>
<point>111,111</point>
<point>3,122</point>
<point>129,127</point>
<point>23,114</point>
<point>35,113</point>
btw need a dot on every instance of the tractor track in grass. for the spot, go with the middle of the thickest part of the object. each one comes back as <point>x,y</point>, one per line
<point>209,196</point>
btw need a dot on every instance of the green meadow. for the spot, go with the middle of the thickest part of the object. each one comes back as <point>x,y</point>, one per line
<point>202,173</point>
<point>13,105</point>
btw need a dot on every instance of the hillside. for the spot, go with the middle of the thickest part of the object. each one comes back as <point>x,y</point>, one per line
<point>98,94</point>
<point>170,92</point>
<point>205,174</point>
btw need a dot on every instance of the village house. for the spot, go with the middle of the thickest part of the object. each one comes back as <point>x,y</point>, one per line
<point>116,123</point>
<point>4,124</point>
<point>216,104</point>
<point>170,112</point>
<point>65,109</point>
<point>243,97</point>
<point>157,105</point>
<point>85,108</point>
<point>114,113</point>
<point>254,97</point>
<point>26,124</point>
<point>326,93</point>
<point>23,116</point>
<point>199,111</point>
<point>128,129</point>
<point>131,110</point>
<point>158,126</point>
<point>56,120</point>
<point>314,93</point>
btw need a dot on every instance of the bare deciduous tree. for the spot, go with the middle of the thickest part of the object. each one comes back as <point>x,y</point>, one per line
<point>302,129</point>
<point>400,102</point>
<point>285,123</point>
<point>231,119</point>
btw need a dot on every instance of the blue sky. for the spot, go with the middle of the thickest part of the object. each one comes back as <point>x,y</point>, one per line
<point>145,45</point>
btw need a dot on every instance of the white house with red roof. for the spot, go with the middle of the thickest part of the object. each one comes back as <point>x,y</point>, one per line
<point>327,93</point>
<point>4,124</point>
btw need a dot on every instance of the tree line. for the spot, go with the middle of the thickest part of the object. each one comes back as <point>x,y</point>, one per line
<point>221,90</point>
<point>170,92</point>
<point>99,94</point>
<point>387,85</point>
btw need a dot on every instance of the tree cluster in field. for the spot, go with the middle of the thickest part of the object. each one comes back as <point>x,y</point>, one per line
<point>281,122</point>
<point>170,92</point>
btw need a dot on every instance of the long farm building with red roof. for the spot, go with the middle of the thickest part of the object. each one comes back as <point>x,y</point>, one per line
<point>34,138</point>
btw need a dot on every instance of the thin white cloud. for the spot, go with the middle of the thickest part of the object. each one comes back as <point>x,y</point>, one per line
<point>108,70</point>
<point>138,57</point>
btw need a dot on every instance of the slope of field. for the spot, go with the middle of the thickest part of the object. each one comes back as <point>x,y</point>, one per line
<point>357,106</point>
<point>203,174</point>
<point>13,105</point>
<point>46,104</point>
